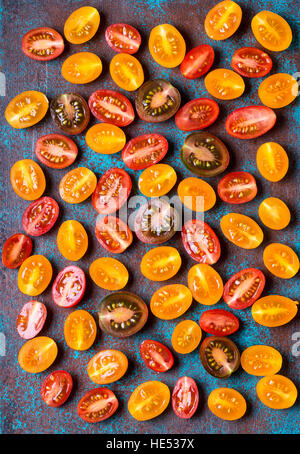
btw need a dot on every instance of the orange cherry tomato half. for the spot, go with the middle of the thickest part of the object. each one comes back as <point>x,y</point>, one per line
<point>26,109</point>
<point>42,44</point>
<point>274,310</point>
<point>274,213</point>
<point>16,249</point>
<point>77,185</point>
<point>201,242</point>
<point>97,405</point>
<point>272,161</point>
<point>186,336</point>
<point>109,273</point>
<point>171,301</point>
<point>224,84</point>
<point>241,230</point>
<point>31,319</point>
<point>161,263</point>
<point>278,90</point>
<point>80,330</point>
<point>56,388</point>
<point>107,366</point>
<point>251,62</point>
<point>185,397</point>
<point>227,403</point>
<point>126,71</point>
<point>223,20</point>
<point>197,114</point>
<point>113,234</point>
<point>157,180</point>
<point>37,354</point>
<point>277,392</point>
<point>196,194</point>
<point>156,356</point>
<point>197,61</point>
<point>166,45</point>
<point>123,38</point>
<point>81,68</point>
<point>56,151</point>
<point>112,191</point>
<point>281,260</point>
<point>205,284</point>
<point>271,31</point>
<point>237,187</point>
<point>261,360</point>
<point>149,400</point>
<point>105,138</point>
<point>34,275</point>
<point>82,25</point>
<point>72,240</point>
<point>250,122</point>
<point>27,179</point>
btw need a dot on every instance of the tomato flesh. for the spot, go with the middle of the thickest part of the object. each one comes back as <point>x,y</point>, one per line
<point>40,216</point>
<point>31,319</point>
<point>201,242</point>
<point>80,330</point>
<point>261,360</point>
<point>219,356</point>
<point>70,113</point>
<point>112,191</point>
<point>250,122</point>
<point>42,44</point>
<point>237,187</point>
<point>97,405</point>
<point>56,388</point>
<point>123,38</point>
<point>69,286</point>
<point>82,25</point>
<point>197,61</point>
<point>244,288</point>
<point>219,322</point>
<point>107,366</point>
<point>277,392</point>
<point>144,151</point>
<point>156,356</point>
<point>26,109</point>
<point>109,106</point>
<point>113,234</point>
<point>227,404</point>
<point>185,397</point>
<point>56,151</point>
<point>251,62</point>
<point>197,114</point>
<point>171,301</point>
<point>16,249</point>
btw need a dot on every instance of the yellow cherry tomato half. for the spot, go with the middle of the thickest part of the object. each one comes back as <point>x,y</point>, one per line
<point>227,403</point>
<point>77,185</point>
<point>223,20</point>
<point>157,180</point>
<point>72,240</point>
<point>37,354</point>
<point>26,109</point>
<point>205,284</point>
<point>161,263</point>
<point>105,138</point>
<point>278,90</point>
<point>241,230</point>
<point>107,366</point>
<point>82,25</point>
<point>80,330</point>
<point>271,31</point>
<point>149,400</point>
<point>274,310</point>
<point>81,68</point>
<point>196,194</point>
<point>126,71</point>
<point>224,84</point>
<point>281,260</point>
<point>166,45</point>
<point>261,360</point>
<point>277,392</point>
<point>34,275</point>
<point>272,161</point>
<point>171,301</point>
<point>109,273</point>
<point>186,336</point>
<point>274,213</point>
<point>27,179</point>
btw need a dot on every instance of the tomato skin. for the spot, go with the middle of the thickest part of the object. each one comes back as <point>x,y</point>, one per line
<point>274,310</point>
<point>185,397</point>
<point>27,179</point>
<point>149,400</point>
<point>16,249</point>
<point>56,151</point>
<point>231,294</point>
<point>117,184</point>
<point>271,31</point>
<point>161,38</point>
<point>98,367</point>
<point>26,109</point>
<point>219,322</point>
<point>113,234</point>
<point>272,161</point>
<point>277,392</point>
<point>251,62</point>
<point>123,38</point>
<point>82,25</point>
<point>110,106</point>
<point>197,114</point>
<point>37,354</point>
<point>91,398</point>
<point>227,404</point>
<point>144,151</point>
<point>261,360</point>
<point>200,251</point>
<point>67,278</point>
<point>261,119</point>
<point>156,355</point>
<point>237,187</point>
<point>197,61</point>
<point>31,48</point>
<point>40,216</point>
<point>126,71</point>
<point>31,319</point>
<point>223,20</point>
<point>56,388</point>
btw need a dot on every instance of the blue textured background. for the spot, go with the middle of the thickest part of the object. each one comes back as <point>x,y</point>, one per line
<point>22,410</point>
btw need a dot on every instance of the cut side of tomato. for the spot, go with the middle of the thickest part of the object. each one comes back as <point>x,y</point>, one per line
<point>186,337</point>
<point>197,61</point>
<point>251,62</point>
<point>223,20</point>
<point>42,44</point>
<point>241,230</point>
<point>185,397</point>
<point>123,38</point>
<point>113,234</point>
<point>70,113</point>
<point>271,31</point>
<point>31,319</point>
<point>107,366</point>
<point>144,151</point>
<point>261,360</point>
<point>112,191</point>
<point>56,151</point>
<point>161,263</point>
<point>34,275</point>
<point>37,354</point>
<point>126,71</point>
<point>27,179</point>
<point>201,242</point>
<point>149,400</point>
<point>156,356</point>
<point>69,286</point>
<point>77,185</point>
<point>244,288</point>
<point>80,330</point>
<point>82,25</point>
<point>97,405</point>
<point>219,322</point>
<point>274,310</point>
<point>237,187</point>
<point>56,388</point>
<point>166,45</point>
<point>250,122</point>
<point>171,301</point>
<point>197,114</point>
<point>227,404</point>
<point>40,216</point>
<point>219,356</point>
<point>16,249</point>
<point>109,106</point>
<point>224,84</point>
<point>26,109</point>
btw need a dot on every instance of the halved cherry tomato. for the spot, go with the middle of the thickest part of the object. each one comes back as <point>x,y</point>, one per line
<point>271,31</point>
<point>149,400</point>
<point>171,301</point>
<point>80,330</point>
<point>250,122</point>
<point>156,356</point>
<point>223,20</point>
<point>205,284</point>
<point>219,356</point>
<point>277,392</point>
<point>274,310</point>
<point>244,288</point>
<point>113,234</point>
<point>123,38</point>
<point>16,249</point>
<point>161,263</point>
<point>56,151</point>
<point>105,138</point>
<point>197,114</point>
<point>31,319</point>
<point>281,260</point>
<point>274,213</point>
<point>272,161</point>
<point>261,360</point>
<point>42,44</point>
<point>69,286</point>
<point>72,240</point>
<point>70,113</point>
<point>197,61</point>
<point>34,275</point>
<point>185,397</point>
<point>77,185</point>
<point>278,90</point>
<point>186,336</point>
<point>237,187</point>
<point>97,405</point>
<point>40,216</point>
<point>201,242</point>
<point>112,107</point>
<point>82,25</point>
<point>56,388</point>
<point>166,45</point>
<point>196,194</point>
<point>251,62</point>
<point>107,366</point>
<point>144,151</point>
<point>27,179</point>
<point>126,71</point>
<point>241,230</point>
<point>224,84</point>
<point>227,403</point>
<point>157,180</point>
<point>26,109</point>
<point>219,322</point>
<point>112,191</point>
<point>81,68</point>
<point>109,273</point>
<point>37,354</point>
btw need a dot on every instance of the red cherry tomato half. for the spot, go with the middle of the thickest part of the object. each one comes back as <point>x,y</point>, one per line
<point>185,397</point>
<point>16,249</point>
<point>251,62</point>
<point>219,322</point>
<point>31,319</point>
<point>144,151</point>
<point>156,356</point>
<point>250,122</point>
<point>197,114</point>
<point>97,405</point>
<point>197,61</point>
<point>56,151</point>
<point>56,388</point>
<point>69,286</point>
<point>109,106</point>
<point>40,216</point>
<point>201,242</point>
<point>112,191</point>
<point>42,44</point>
<point>237,187</point>
<point>113,234</point>
<point>123,38</point>
<point>244,288</point>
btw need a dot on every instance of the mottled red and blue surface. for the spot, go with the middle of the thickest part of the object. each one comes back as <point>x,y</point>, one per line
<point>22,410</point>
